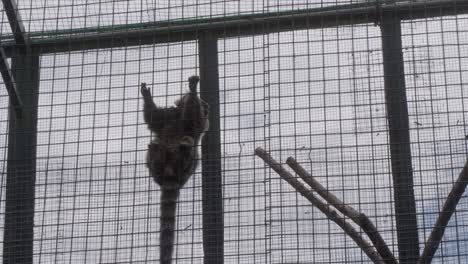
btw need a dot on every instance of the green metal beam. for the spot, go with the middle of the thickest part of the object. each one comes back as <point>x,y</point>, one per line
<point>234,26</point>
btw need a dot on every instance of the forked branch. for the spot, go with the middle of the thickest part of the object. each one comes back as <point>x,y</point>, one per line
<point>323,207</point>
<point>383,253</point>
<point>359,218</point>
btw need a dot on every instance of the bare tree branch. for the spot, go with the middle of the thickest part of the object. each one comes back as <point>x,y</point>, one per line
<point>359,218</point>
<point>444,216</point>
<point>323,207</point>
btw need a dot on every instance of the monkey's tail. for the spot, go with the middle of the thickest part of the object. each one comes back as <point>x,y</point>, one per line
<point>167,230</point>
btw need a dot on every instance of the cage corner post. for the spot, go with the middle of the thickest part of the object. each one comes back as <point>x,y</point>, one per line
<point>400,145</point>
<point>21,164</point>
<point>212,196</point>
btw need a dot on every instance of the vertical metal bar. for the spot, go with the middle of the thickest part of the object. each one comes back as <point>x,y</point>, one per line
<point>213,224</point>
<point>21,171</point>
<point>400,148</point>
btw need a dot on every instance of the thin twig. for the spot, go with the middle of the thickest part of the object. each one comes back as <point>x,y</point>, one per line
<point>444,216</point>
<point>359,218</point>
<point>324,208</point>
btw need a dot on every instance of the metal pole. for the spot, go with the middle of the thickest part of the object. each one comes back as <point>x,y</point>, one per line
<point>400,148</point>
<point>21,171</point>
<point>213,224</point>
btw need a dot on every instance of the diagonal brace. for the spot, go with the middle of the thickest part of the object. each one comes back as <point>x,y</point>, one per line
<point>16,24</point>
<point>10,84</point>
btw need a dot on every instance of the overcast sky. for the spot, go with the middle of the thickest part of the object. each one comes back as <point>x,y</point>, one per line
<point>316,95</point>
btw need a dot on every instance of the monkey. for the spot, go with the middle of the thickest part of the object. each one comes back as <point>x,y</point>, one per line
<point>172,155</point>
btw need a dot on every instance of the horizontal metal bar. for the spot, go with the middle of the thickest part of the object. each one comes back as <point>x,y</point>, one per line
<point>14,18</point>
<point>238,26</point>
<point>10,84</point>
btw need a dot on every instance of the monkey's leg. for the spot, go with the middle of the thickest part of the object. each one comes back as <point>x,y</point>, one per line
<point>149,107</point>
<point>145,92</point>
<point>193,82</point>
<point>155,117</point>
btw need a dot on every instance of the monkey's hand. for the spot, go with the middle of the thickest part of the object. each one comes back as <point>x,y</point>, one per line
<point>145,92</point>
<point>193,82</point>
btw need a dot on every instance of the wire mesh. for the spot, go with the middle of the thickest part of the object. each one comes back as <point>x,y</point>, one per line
<point>314,94</point>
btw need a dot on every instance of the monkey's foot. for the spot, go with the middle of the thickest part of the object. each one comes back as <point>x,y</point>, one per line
<point>145,91</point>
<point>193,81</point>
